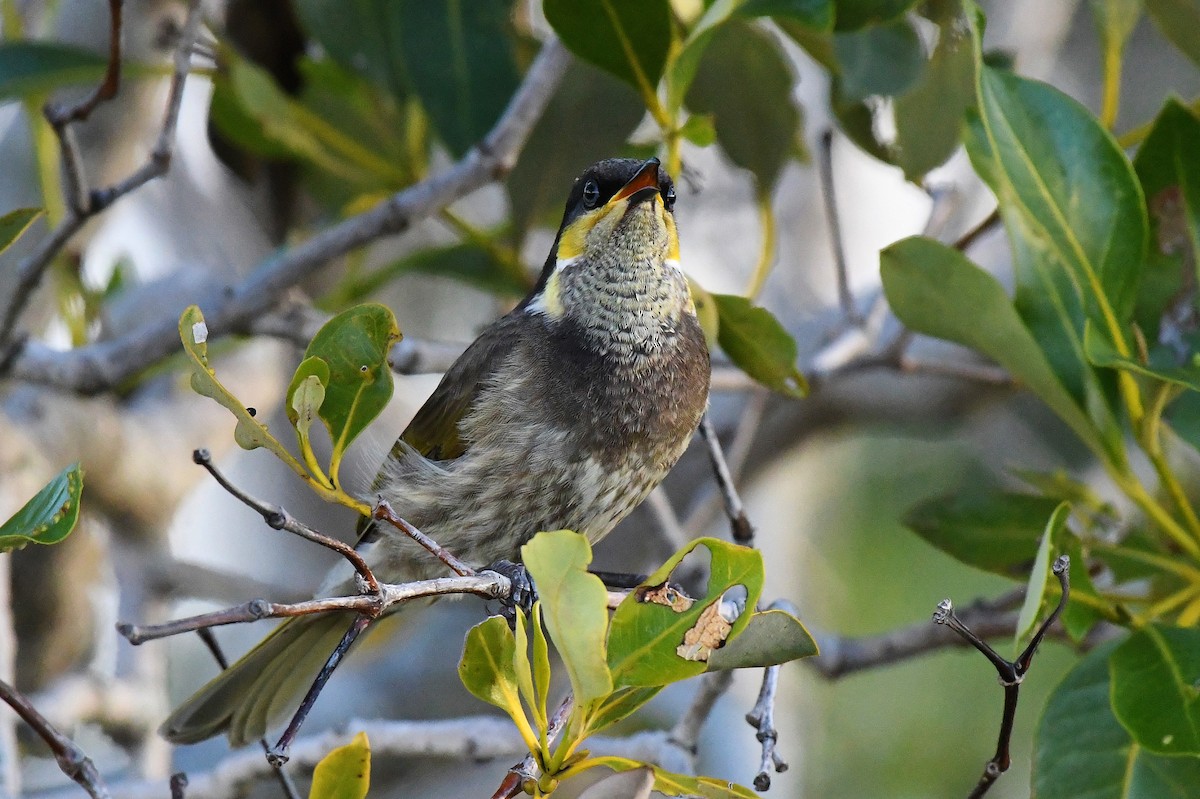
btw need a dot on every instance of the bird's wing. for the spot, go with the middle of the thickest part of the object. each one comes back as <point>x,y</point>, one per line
<point>434,431</point>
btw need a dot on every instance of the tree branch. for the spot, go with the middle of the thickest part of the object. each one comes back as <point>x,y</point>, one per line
<point>101,366</point>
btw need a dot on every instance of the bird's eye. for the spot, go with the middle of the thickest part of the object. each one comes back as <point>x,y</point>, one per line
<point>669,199</point>
<point>591,194</point>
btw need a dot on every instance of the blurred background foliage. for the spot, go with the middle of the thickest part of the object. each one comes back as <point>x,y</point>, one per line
<point>322,109</point>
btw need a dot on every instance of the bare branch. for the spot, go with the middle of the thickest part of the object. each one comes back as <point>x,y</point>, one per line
<point>31,269</point>
<point>71,759</point>
<point>850,315</point>
<point>102,365</point>
<point>743,531</point>
<point>762,719</point>
<point>686,732</point>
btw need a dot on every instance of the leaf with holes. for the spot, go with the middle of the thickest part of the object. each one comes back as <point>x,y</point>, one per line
<point>772,637</point>
<point>758,344</point>
<point>49,516</point>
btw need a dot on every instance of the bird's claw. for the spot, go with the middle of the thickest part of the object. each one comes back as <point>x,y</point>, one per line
<point>524,593</point>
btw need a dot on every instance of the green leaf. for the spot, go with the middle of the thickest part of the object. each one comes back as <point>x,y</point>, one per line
<point>49,516</point>
<point>355,345</point>
<point>757,129</point>
<point>991,530</point>
<point>1045,151</point>
<point>618,705</point>
<point>673,784</point>
<point>249,432</point>
<point>814,14</point>
<point>1115,20</point>
<point>14,223</point>
<point>930,115</point>
<point>30,67</point>
<point>1101,353</point>
<point>1082,752</point>
<point>699,130</point>
<point>486,668</point>
<point>361,35</point>
<point>879,60</point>
<point>310,399</point>
<point>626,38</point>
<point>759,345</point>
<point>1179,21</point>
<point>574,605</point>
<point>937,291</point>
<point>772,637</point>
<point>645,637</point>
<point>1170,178</point>
<point>588,118</point>
<point>1036,594</point>
<point>459,59</point>
<point>855,14</point>
<point>522,667</point>
<point>1156,688</point>
<point>344,773</point>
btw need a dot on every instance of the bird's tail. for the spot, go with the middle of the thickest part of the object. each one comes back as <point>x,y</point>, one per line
<point>262,688</point>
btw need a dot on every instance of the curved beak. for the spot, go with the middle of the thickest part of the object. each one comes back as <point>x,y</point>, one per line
<point>642,186</point>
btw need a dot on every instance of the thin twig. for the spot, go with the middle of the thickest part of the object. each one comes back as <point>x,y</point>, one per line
<point>278,518</point>
<point>743,531</point>
<point>850,313</point>
<point>214,647</point>
<point>762,719</point>
<point>384,512</point>
<point>686,732</point>
<point>968,239</point>
<point>31,269</point>
<point>1012,673</point>
<point>100,366</point>
<point>487,585</point>
<point>178,784</point>
<point>70,758</point>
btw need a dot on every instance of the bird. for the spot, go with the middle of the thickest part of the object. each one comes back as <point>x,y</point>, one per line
<point>563,414</point>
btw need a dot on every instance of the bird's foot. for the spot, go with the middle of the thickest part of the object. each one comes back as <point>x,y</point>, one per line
<point>524,593</point>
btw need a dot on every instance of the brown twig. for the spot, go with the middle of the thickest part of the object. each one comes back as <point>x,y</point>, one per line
<point>1012,672</point>
<point>82,207</point>
<point>850,315</point>
<point>70,758</point>
<point>384,512</point>
<point>100,366</point>
<point>743,531</point>
<point>279,519</point>
<point>968,239</point>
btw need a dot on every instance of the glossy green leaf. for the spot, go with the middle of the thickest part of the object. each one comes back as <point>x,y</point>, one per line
<point>540,665</point>
<point>1044,152</point>
<point>361,35</point>
<point>522,666</point>
<point>1156,689</point>
<point>1082,752</point>
<point>878,60</point>
<point>30,67</point>
<point>1170,178</point>
<point>772,637</point>
<point>645,637</point>
<point>991,530</point>
<point>757,129</point>
<point>309,368</point>
<point>855,14</point>
<point>673,784</point>
<point>937,291</point>
<point>1101,353</point>
<point>759,345</point>
<point>486,668</point>
<point>626,38</point>
<point>574,605</point>
<point>931,114</point>
<point>1179,21</point>
<point>588,118</point>
<point>344,773</point>
<point>682,67</point>
<point>618,705</point>
<point>15,223</point>
<point>458,57</point>
<point>49,516</point>
<point>814,14</point>
<point>1036,594</point>
<point>355,345</point>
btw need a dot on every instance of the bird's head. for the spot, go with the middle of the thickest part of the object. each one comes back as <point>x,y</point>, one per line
<point>615,260</point>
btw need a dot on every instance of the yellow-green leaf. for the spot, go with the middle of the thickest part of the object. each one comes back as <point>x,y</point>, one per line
<point>772,637</point>
<point>344,773</point>
<point>14,223</point>
<point>759,345</point>
<point>49,516</point>
<point>673,784</point>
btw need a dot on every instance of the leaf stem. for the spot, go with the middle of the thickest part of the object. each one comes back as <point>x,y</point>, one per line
<point>1157,513</point>
<point>1183,570</point>
<point>1112,87</point>
<point>766,254</point>
<point>507,257</point>
<point>1151,441</point>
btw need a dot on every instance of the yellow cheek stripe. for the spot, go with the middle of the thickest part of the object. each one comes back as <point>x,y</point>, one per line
<point>548,302</point>
<point>672,233</point>
<point>574,238</point>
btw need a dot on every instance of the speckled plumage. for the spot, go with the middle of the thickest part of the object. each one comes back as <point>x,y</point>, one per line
<point>565,413</point>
